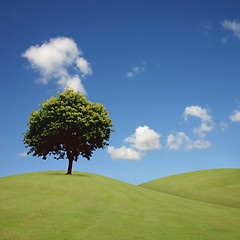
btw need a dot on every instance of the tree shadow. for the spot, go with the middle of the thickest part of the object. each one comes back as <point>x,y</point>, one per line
<point>63,174</point>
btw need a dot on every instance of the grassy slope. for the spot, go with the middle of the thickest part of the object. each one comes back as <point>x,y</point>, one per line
<point>218,186</point>
<point>50,205</point>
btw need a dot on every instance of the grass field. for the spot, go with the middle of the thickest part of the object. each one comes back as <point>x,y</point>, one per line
<point>51,205</point>
<point>218,186</point>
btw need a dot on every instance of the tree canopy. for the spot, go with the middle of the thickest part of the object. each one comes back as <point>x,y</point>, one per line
<point>68,125</point>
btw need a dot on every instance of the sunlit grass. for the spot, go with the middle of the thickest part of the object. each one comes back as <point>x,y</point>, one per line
<point>52,205</point>
<point>218,186</point>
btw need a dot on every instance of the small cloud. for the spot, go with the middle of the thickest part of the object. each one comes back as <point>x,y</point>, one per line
<point>55,58</point>
<point>130,74</point>
<point>124,153</point>
<point>24,154</point>
<point>223,125</point>
<point>201,131</point>
<point>207,123</point>
<point>197,111</point>
<point>84,66</point>
<point>233,26</point>
<point>181,141</point>
<point>145,139</point>
<point>135,70</point>
<point>177,141</point>
<point>235,117</point>
<point>138,69</point>
<point>200,144</point>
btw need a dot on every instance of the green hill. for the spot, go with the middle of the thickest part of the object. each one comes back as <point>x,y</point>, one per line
<point>51,205</point>
<point>218,186</point>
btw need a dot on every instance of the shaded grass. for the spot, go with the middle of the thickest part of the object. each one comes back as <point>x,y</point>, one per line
<point>51,205</point>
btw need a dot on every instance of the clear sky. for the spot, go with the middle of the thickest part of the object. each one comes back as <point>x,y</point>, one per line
<point>168,72</point>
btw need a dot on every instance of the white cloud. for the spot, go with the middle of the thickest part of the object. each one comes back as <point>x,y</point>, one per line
<point>73,82</point>
<point>207,123</point>
<point>145,139</point>
<point>138,69</point>
<point>236,116</point>
<point>124,153</point>
<point>129,74</point>
<point>52,56</point>
<point>201,131</point>
<point>234,26</point>
<point>181,141</point>
<point>135,70</point>
<point>200,144</point>
<point>53,59</point>
<point>24,154</point>
<point>84,66</point>
<point>197,111</point>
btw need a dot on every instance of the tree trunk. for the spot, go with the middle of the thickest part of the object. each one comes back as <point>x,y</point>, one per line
<point>70,166</point>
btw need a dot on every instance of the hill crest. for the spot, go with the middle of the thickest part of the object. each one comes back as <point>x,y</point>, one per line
<point>217,186</point>
<point>52,205</point>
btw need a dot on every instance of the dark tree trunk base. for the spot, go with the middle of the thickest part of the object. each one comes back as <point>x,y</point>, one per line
<point>69,172</point>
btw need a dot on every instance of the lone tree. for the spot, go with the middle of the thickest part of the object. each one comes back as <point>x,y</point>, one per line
<point>68,124</point>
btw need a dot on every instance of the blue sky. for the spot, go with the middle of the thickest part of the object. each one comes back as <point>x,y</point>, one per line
<point>168,73</point>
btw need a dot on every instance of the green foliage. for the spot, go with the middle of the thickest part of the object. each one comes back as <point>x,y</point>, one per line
<point>68,124</point>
